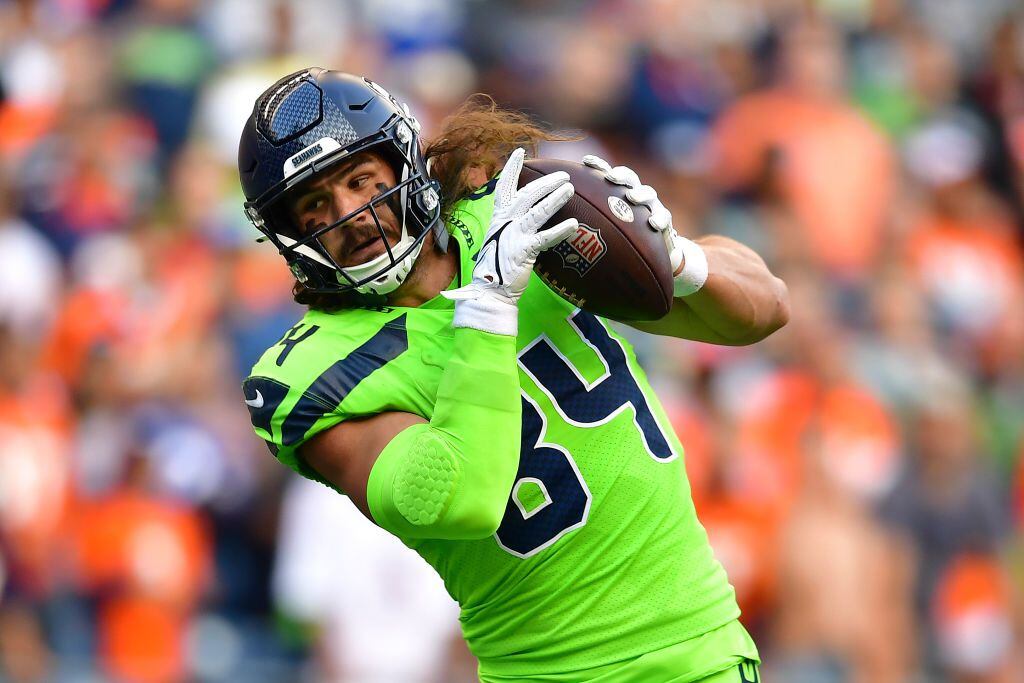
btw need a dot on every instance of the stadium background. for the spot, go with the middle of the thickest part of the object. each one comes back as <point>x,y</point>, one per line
<point>859,473</point>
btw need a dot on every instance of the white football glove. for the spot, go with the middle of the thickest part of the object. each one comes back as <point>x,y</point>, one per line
<point>689,264</point>
<point>511,246</point>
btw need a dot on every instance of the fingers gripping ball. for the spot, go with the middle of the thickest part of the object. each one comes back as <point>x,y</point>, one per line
<point>520,229</point>
<point>614,265</point>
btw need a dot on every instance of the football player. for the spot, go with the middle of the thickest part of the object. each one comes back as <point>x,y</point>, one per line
<point>509,438</point>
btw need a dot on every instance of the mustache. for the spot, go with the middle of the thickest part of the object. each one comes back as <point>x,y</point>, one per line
<point>355,239</point>
<point>354,235</point>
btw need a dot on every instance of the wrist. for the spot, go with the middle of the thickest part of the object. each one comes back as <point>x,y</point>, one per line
<point>488,312</point>
<point>693,273</point>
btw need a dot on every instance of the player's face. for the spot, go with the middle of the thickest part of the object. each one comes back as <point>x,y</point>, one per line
<point>342,190</point>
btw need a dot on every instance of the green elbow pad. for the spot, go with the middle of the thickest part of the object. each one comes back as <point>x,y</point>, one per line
<point>414,490</point>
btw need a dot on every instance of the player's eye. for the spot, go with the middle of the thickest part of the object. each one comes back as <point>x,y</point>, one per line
<point>359,181</point>
<point>312,203</point>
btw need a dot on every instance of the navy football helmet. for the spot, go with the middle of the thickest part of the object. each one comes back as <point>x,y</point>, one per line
<point>306,123</point>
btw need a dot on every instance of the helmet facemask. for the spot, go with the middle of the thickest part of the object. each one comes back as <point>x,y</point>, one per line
<point>414,199</point>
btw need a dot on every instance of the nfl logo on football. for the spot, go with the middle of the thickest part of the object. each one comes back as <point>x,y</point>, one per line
<point>581,251</point>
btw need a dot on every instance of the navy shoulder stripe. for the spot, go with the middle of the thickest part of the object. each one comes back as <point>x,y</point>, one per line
<point>327,392</point>
<point>484,190</point>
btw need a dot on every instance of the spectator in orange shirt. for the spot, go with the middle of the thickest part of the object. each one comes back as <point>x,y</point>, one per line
<point>742,532</point>
<point>962,248</point>
<point>836,559</point>
<point>815,385</point>
<point>974,621</point>
<point>35,468</point>
<point>147,560</point>
<point>835,169</point>
<point>761,483</point>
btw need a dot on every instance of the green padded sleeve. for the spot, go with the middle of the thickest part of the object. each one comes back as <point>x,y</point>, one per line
<point>451,478</point>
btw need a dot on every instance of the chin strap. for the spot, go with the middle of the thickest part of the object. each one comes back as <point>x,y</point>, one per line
<point>441,236</point>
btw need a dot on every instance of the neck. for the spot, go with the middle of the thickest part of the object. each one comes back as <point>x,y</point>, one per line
<point>433,272</point>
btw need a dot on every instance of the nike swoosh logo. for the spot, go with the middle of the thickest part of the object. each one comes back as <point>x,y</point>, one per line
<point>255,402</point>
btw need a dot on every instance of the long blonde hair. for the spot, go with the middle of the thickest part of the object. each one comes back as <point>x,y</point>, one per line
<point>480,135</point>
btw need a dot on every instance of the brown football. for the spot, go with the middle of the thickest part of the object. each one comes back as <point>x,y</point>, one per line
<point>615,265</point>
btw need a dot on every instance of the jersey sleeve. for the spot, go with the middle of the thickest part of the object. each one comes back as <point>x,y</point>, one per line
<point>299,389</point>
<point>333,367</point>
<point>276,409</point>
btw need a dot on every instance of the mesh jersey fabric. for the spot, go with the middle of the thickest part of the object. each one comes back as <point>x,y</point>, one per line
<point>600,557</point>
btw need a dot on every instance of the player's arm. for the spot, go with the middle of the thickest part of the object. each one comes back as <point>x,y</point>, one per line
<point>450,477</point>
<point>724,292</point>
<point>740,302</point>
<point>344,454</point>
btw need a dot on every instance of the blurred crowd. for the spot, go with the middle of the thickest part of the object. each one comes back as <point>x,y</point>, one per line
<point>860,473</point>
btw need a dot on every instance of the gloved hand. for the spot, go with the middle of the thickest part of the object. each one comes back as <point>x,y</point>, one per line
<point>689,264</point>
<point>511,246</point>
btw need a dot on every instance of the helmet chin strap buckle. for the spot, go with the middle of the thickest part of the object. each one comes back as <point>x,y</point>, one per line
<point>430,199</point>
<point>298,272</point>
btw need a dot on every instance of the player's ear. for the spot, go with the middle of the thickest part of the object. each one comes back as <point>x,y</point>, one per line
<point>476,176</point>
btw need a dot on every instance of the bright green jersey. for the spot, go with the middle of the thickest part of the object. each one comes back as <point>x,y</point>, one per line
<point>599,558</point>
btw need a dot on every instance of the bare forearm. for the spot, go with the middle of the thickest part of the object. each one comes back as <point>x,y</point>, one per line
<point>725,293</point>
<point>741,302</point>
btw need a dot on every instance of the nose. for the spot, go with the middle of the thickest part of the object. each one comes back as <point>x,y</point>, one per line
<point>348,201</point>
